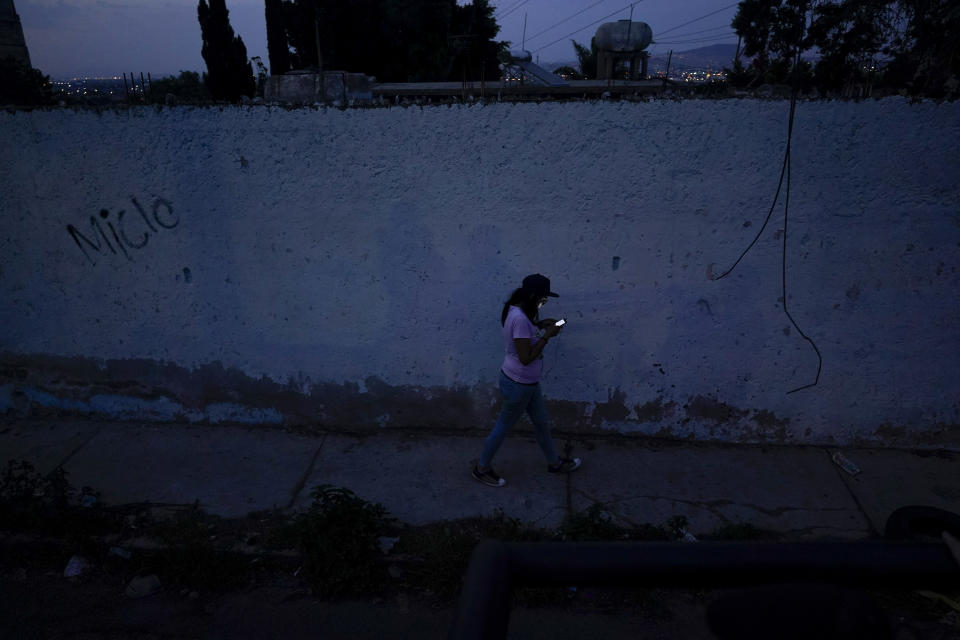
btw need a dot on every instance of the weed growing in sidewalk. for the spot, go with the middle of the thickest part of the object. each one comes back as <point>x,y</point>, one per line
<point>339,536</point>
<point>596,523</point>
<point>196,553</point>
<point>48,504</point>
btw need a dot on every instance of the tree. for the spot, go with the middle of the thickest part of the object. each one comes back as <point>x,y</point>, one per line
<point>188,88</point>
<point>394,40</point>
<point>277,48</point>
<point>414,35</point>
<point>850,37</point>
<point>926,54</point>
<point>473,50</point>
<point>567,73</point>
<point>23,85</point>
<point>229,74</point>
<point>906,44</point>
<point>587,58</point>
<point>774,32</point>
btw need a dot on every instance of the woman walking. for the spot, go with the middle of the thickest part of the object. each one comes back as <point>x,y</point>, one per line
<point>520,377</point>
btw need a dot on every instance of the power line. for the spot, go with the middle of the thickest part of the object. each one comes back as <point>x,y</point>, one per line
<point>587,26</point>
<point>714,38</point>
<point>500,10</point>
<point>515,7</point>
<point>550,28</point>
<point>693,33</point>
<point>712,13</point>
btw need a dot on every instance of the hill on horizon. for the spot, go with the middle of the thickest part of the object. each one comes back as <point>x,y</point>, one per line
<point>714,56</point>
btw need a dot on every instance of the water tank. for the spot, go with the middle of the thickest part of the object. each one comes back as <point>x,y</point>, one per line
<point>624,35</point>
<point>515,55</point>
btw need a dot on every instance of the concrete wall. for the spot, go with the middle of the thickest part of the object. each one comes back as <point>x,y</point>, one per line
<point>347,268</point>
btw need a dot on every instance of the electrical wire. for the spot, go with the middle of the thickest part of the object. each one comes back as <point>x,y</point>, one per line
<point>572,33</point>
<point>501,10</point>
<point>557,24</point>
<point>679,26</point>
<point>693,33</point>
<point>517,6</point>
<point>716,38</point>
<point>785,171</point>
<point>712,13</point>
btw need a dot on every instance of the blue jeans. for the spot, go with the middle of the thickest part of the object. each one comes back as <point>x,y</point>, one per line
<point>518,398</point>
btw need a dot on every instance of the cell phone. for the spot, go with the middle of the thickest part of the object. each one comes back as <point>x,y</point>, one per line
<point>561,322</point>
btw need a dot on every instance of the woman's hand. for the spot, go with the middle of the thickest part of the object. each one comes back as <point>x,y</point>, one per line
<point>552,329</point>
<point>543,324</point>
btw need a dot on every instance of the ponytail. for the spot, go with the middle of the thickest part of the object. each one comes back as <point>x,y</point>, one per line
<point>526,300</point>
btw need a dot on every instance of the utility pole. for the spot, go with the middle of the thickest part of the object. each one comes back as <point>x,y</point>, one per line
<point>523,41</point>
<point>316,35</point>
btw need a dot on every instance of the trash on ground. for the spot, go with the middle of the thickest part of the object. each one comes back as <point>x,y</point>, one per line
<point>78,565</point>
<point>844,463</point>
<point>87,499</point>
<point>386,543</point>
<point>143,586</point>
<point>120,552</point>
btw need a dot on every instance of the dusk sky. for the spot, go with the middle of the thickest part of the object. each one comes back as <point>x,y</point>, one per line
<point>69,38</point>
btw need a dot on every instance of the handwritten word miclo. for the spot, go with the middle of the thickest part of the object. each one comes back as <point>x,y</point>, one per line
<point>163,218</point>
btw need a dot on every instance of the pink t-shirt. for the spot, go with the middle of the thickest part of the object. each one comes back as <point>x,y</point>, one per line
<point>518,325</point>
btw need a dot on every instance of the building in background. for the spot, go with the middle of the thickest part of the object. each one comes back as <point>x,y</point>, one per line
<point>12,43</point>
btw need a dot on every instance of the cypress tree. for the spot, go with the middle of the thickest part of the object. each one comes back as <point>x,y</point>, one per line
<point>277,47</point>
<point>229,74</point>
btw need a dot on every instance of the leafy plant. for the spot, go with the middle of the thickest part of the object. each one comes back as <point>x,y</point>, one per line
<point>587,58</point>
<point>22,84</point>
<point>339,536</point>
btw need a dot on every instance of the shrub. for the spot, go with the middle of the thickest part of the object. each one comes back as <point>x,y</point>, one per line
<point>339,536</point>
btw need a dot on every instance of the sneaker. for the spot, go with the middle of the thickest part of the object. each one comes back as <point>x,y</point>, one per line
<point>566,465</point>
<point>488,477</point>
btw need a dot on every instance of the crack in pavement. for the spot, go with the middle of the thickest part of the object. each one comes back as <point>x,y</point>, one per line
<point>856,501</point>
<point>711,506</point>
<point>306,475</point>
<point>76,450</point>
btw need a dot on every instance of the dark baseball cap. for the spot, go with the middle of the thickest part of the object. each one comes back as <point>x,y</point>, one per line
<point>538,284</point>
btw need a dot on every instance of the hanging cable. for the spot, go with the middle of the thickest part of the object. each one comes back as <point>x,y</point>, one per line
<point>785,171</point>
<point>786,211</point>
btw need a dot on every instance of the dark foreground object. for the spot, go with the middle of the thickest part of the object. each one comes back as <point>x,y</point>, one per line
<point>497,567</point>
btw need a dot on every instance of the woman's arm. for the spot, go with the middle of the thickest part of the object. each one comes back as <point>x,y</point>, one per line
<point>529,352</point>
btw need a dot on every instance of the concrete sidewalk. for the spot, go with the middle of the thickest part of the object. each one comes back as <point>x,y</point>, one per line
<point>423,477</point>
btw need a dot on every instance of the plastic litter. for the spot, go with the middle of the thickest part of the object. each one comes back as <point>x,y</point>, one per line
<point>77,566</point>
<point>143,586</point>
<point>844,463</point>
<point>686,536</point>
<point>120,552</point>
<point>386,543</point>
